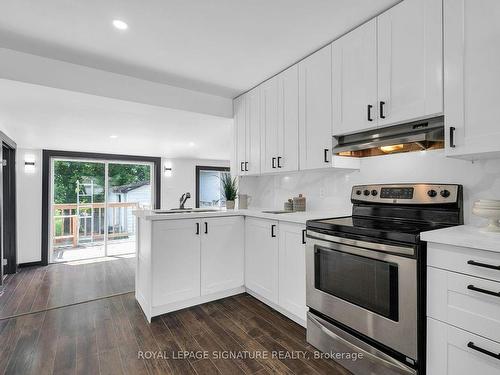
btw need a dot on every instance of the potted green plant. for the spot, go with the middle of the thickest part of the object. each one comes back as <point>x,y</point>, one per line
<point>229,189</point>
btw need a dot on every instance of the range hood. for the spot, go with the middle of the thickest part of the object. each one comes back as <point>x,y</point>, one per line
<point>414,136</point>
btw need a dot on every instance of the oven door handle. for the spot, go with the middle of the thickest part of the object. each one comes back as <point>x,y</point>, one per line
<point>366,354</point>
<point>363,244</point>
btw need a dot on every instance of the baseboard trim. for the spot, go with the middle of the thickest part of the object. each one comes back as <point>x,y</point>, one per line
<point>30,264</point>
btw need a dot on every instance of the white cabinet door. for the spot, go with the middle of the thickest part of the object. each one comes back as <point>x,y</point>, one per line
<point>222,251</point>
<point>410,61</point>
<point>176,269</point>
<point>472,76</point>
<point>452,351</point>
<point>292,269</point>
<point>354,80</point>
<point>288,120</point>
<point>270,109</point>
<point>261,257</point>
<point>253,123</point>
<point>315,110</point>
<point>239,109</point>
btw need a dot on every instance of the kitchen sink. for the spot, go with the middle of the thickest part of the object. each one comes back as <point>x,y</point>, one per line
<point>179,211</point>
<point>277,212</point>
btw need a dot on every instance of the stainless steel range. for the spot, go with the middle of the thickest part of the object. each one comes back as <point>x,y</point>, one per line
<point>366,275</point>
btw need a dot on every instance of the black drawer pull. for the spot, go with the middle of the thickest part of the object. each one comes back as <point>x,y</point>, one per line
<point>241,167</point>
<point>206,227</point>
<point>452,136</point>
<point>484,291</point>
<point>382,110</point>
<point>273,234</point>
<point>274,163</point>
<point>484,265</point>
<point>369,114</point>
<point>197,228</point>
<point>325,155</point>
<point>246,166</point>
<point>303,236</point>
<point>484,351</point>
<point>279,161</point>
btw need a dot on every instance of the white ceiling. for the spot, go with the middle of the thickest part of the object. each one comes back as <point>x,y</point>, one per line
<point>42,117</point>
<point>217,46</point>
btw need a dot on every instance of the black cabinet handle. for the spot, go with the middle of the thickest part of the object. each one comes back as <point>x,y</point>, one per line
<point>303,236</point>
<point>452,136</point>
<point>197,228</point>
<point>246,166</point>
<point>484,351</point>
<point>484,265</point>
<point>325,155</point>
<point>369,114</point>
<point>206,227</point>
<point>279,161</point>
<point>274,163</point>
<point>484,291</point>
<point>382,110</point>
<point>241,167</point>
<point>273,234</point>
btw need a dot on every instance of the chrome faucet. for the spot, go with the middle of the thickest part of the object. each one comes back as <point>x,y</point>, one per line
<point>183,200</point>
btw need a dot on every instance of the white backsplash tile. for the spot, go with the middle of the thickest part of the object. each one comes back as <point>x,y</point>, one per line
<point>330,189</point>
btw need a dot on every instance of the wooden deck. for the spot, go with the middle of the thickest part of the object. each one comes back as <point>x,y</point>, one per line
<point>108,335</point>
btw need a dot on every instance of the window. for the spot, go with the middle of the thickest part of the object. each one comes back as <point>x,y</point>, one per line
<point>208,186</point>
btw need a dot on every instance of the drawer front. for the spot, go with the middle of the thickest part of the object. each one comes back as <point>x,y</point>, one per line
<point>472,262</point>
<point>464,301</point>
<point>452,351</point>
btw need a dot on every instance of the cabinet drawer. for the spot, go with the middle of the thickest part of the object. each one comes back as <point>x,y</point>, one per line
<point>452,351</point>
<point>464,301</point>
<point>464,260</point>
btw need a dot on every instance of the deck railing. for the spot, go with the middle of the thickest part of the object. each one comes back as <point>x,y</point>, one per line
<point>85,223</point>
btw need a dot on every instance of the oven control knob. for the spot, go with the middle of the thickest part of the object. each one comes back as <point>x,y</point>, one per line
<point>366,192</point>
<point>358,192</point>
<point>432,193</point>
<point>374,192</point>
<point>445,193</point>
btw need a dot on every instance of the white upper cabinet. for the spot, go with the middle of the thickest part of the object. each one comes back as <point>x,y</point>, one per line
<point>253,122</point>
<point>288,120</point>
<point>280,122</point>
<point>270,109</point>
<point>472,77</point>
<point>315,110</point>
<point>354,80</point>
<point>239,109</point>
<point>410,61</point>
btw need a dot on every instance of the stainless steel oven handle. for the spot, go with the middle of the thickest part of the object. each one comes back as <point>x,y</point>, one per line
<point>355,348</point>
<point>362,244</point>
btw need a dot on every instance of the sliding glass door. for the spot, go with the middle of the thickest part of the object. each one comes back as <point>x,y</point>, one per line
<point>92,204</point>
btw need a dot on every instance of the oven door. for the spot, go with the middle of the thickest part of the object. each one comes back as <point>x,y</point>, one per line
<point>362,286</point>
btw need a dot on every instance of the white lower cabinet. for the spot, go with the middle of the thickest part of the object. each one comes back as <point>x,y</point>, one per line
<point>261,257</point>
<point>222,252</point>
<point>175,261</point>
<point>292,269</point>
<point>452,351</point>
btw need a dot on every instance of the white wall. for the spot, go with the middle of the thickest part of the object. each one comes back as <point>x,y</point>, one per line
<point>183,180</point>
<point>29,208</point>
<point>330,189</point>
<point>29,197</point>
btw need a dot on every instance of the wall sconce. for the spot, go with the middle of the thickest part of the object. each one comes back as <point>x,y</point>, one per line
<point>167,171</point>
<point>29,163</point>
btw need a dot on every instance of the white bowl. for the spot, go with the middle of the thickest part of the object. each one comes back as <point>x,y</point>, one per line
<point>493,215</point>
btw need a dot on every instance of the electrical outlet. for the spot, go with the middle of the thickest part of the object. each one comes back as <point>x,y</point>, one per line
<point>322,192</point>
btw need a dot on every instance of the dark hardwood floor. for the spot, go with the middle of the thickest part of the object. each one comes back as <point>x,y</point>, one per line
<point>40,288</point>
<point>107,336</point>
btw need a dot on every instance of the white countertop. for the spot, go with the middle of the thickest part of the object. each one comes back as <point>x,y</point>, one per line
<point>292,217</point>
<point>465,236</point>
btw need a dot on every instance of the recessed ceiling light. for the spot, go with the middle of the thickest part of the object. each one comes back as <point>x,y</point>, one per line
<point>120,25</point>
<point>191,144</point>
<point>113,136</point>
